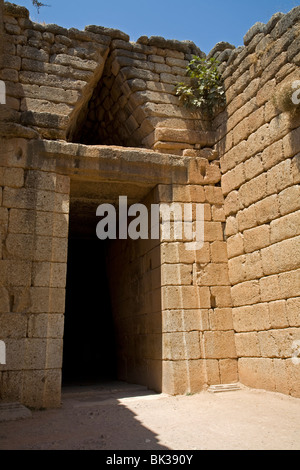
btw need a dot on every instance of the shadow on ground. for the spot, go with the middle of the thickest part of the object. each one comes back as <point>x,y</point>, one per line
<point>91,418</point>
<point>122,417</point>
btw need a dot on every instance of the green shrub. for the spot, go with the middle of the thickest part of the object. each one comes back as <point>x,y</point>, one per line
<point>205,91</point>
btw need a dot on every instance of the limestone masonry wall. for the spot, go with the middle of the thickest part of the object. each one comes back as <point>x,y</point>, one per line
<point>33,261</point>
<point>91,116</point>
<point>259,147</point>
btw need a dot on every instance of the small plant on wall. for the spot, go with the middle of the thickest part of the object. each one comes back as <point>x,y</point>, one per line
<point>205,91</point>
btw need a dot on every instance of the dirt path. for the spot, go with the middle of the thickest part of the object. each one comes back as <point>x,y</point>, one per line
<point>124,417</point>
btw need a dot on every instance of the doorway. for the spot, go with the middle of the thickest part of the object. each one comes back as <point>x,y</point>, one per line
<point>89,344</point>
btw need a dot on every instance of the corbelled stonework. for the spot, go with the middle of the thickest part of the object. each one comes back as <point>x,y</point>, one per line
<point>91,116</point>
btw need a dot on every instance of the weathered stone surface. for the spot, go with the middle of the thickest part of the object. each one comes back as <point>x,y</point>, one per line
<point>113,33</point>
<point>220,47</point>
<point>185,319</point>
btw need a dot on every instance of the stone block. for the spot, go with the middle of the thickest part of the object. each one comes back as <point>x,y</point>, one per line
<point>279,177</point>
<point>213,371</point>
<point>247,218</point>
<point>54,353</point>
<point>295,169</point>
<point>267,344</point>
<point>20,246</point>
<point>251,318</point>
<point>47,390</point>
<point>181,346</point>
<point>214,195</point>
<point>280,257</point>
<point>19,198</point>
<point>181,297</point>
<point>256,238</point>
<point>285,227</point>
<point>218,252</point>
<point>257,373</point>
<point>253,190</point>
<point>236,269</point>
<point>291,143</point>
<point>233,179</point>
<point>173,253</point>
<point>219,345</point>
<point>58,275</point>
<point>281,376</point>
<point>184,320</point>
<point>177,274</point>
<point>292,311</point>
<point>21,221</point>
<point>267,209</point>
<point>220,296</point>
<point>39,300</point>
<point>235,245</point>
<point>289,200</point>
<point>45,326</point>
<point>272,155</point>
<point>253,268</point>
<point>232,203</point>
<point>12,177</point>
<point>253,167</point>
<point>15,352</point>
<point>213,231</point>
<point>59,250</point>
<point>4,300</point>
<point>15,273</point>
<point>174,377</point>
<point>44,223</point>
<point>214,274</point>
<point>259,140</point>
<point>228,371</point>
<point>270,288</point>
<point>247,344</point>
<point>289,284</point>
<point>246,293</point>
<point>40,180</point>
<point>45,201</point>
<point>218,214</point>
<point>12,326</point>
<point>278,314</point>
<point>231,227</point>
<point>293,372</point>
<point>220,319</point>
<point>42,248</point>
<point>60,225</point>
<point>197,375</point>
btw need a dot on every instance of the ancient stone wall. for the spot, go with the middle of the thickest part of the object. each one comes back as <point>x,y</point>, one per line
<point>134,275</point>
<point>225,313</point>
<point>259,144</point>
<point>50,73</point>
<point>173,306</point>
<point>54,89</point>
<point>34,226</point>
<point>135,103</point>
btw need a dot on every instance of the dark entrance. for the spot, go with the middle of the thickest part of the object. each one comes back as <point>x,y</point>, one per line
<point>89,345</point>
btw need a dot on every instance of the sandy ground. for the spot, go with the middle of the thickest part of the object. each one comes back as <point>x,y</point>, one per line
<point>127,417</point>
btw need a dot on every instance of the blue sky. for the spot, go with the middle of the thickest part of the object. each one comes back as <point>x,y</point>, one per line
<point>205,22</point>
